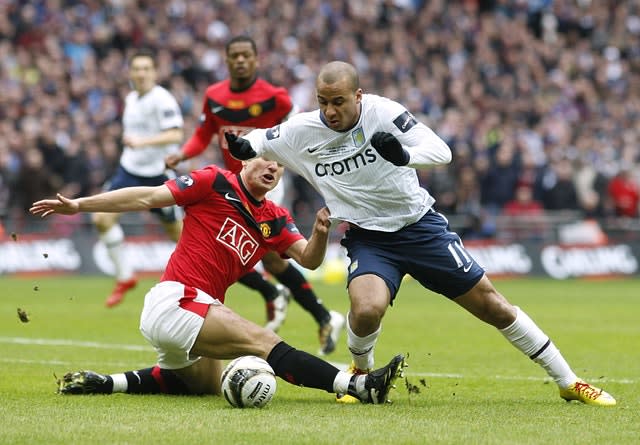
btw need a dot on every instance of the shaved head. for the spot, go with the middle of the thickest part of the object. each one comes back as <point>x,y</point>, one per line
<point>339,94</point>
<point>336,71</point>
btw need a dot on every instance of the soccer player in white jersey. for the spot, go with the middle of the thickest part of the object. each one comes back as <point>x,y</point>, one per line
<point>152,128</point>
<point>360,151</point>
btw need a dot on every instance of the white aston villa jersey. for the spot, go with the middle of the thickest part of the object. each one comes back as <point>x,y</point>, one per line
<point>357,184</point>
<point>147,115</point>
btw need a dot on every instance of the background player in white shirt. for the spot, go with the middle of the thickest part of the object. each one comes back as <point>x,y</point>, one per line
<point>360,152</point>
<point>152,128</point>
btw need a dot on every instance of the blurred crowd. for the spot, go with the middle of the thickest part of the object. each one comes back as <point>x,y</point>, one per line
<point>538,99</point>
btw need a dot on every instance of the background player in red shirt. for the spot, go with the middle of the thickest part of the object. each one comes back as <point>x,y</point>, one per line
<point>238,105</point>
<point>228,227</point>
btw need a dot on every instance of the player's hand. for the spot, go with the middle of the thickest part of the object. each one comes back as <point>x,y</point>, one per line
<point>62,205</point>
<point>323,223</point>
<point>172,160</point>
<point>390,148</point>
<point>239,148</point>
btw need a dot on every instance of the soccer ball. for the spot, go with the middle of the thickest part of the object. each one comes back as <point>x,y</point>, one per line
<point>248,382</point>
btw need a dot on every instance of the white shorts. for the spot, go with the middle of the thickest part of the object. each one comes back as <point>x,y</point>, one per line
<point>171,319</point>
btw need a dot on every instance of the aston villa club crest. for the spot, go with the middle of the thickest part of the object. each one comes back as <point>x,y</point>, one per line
<point>358,137</point>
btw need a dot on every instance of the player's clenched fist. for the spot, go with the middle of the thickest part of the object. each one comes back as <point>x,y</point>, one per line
<point>239,148</point>
<point>390,148</point>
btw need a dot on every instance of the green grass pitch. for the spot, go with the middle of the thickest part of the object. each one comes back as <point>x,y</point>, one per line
<point>474,388</point>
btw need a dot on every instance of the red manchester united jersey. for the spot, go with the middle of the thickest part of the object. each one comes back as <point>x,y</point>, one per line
<point>226,232</point>
<point>262,105</point>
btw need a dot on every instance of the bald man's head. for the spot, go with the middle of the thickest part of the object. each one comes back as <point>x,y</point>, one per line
<point>336,71</point>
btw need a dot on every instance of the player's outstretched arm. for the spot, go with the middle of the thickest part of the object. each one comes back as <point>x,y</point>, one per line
<point>116,201</point>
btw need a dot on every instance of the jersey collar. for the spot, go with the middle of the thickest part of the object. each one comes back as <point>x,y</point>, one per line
<point>249,196</point>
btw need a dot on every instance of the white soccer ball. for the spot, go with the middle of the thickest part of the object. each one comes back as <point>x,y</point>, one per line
<point>248,382</point>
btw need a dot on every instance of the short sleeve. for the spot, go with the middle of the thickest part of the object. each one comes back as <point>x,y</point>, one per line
<point>193,187</point>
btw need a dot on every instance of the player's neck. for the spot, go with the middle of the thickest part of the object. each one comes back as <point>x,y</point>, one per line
<point>238,85</point>
<point>143,91</point>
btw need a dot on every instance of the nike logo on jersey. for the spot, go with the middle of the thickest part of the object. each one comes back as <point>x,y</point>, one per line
<point>468,267</point>
<point>216,110</point>
<point>228,197</point>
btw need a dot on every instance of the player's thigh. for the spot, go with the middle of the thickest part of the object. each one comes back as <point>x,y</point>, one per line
<point>226,335</point>
<point>437,259</point>
<point>202,377</point>
<point>375,271</point>
<point>274,263</point>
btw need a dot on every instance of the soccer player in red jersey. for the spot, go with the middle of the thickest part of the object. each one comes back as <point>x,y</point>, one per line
<point>237,105</point>
<point>228,227</point>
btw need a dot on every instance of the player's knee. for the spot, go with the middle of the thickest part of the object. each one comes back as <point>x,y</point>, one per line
<point>367,313</point>
<point>102,222</point>
<point>267,341</point>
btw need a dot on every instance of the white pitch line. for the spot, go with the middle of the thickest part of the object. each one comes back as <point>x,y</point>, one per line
<point>438,375</point>
<point>104,364</point>
<point>72,343</point>
<point>342,366</point>
<point>594,380</point>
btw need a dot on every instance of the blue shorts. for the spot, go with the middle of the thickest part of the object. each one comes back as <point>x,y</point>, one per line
<point>122,179</point>
<point>427,250</point>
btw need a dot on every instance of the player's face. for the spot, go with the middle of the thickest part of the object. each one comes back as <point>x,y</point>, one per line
<point>242,61</point>
<point>261,176</point>
<point>142,73</point>
<point>339,104</point>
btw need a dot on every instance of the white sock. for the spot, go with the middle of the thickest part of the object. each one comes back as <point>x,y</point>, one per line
<point>341,382</point>
<point>120,383</point>
<point>113,239</point>
<point>525,335</point>
<point>362,347</point>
